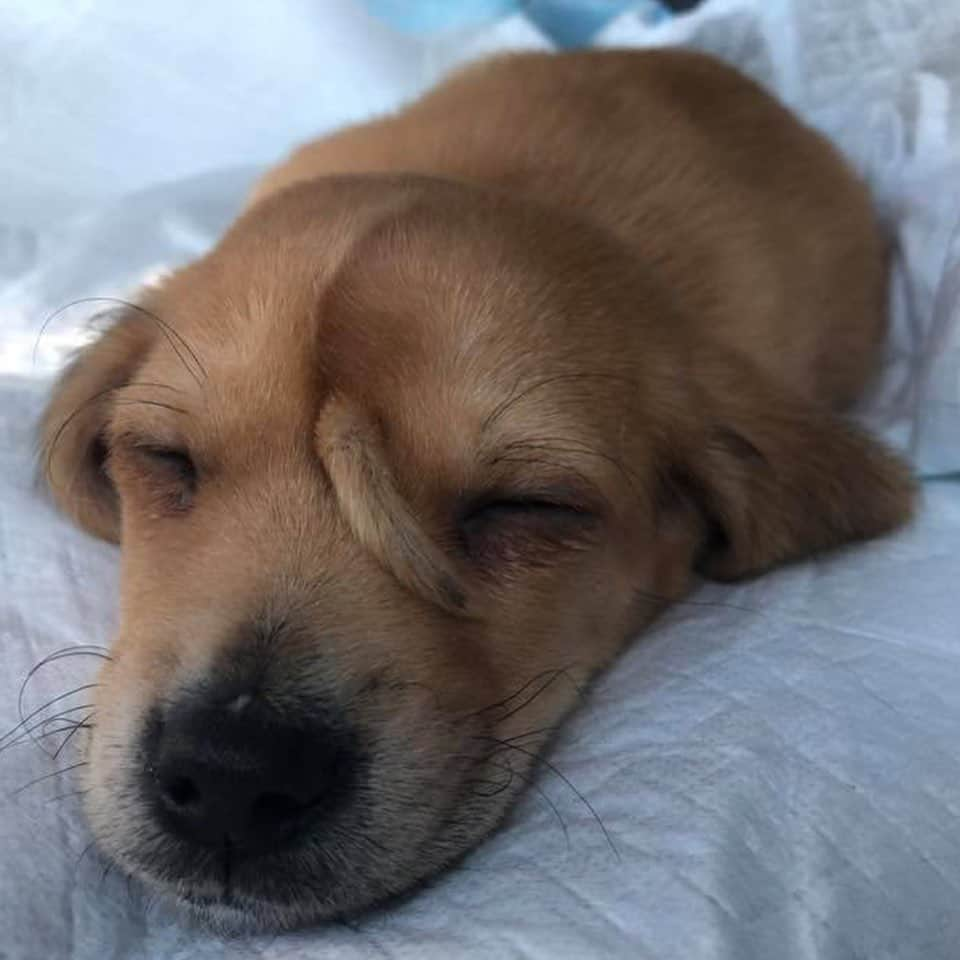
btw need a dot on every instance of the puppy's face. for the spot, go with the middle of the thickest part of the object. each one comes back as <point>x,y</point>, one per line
<point>394,469</point>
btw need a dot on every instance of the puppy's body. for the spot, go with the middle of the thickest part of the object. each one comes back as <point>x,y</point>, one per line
<point>458,403</point>
<point>747,221</point>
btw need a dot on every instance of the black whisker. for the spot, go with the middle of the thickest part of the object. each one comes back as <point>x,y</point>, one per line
<point>48,776</point>
<point>526,703</point>
<point>149,403</point>
<point>67,795</point>
<point>50,658</point>
<point>531,782</point>
<point>497,788</point>
<point>172,336</point>
<point>64,652</point>
<point>537,758</point>
<point>48,452</point>
<point>551,675</point>
<point>82,725</point>
<point>83,853</point>
<point>106,873</point>
<point>63,696</point>
<point>65,724</point>
<point>549,731</point>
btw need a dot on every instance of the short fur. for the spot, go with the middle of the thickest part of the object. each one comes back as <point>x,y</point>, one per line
<point>468,394</point>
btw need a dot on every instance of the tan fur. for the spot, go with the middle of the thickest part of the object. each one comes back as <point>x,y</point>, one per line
<point>627,284</point>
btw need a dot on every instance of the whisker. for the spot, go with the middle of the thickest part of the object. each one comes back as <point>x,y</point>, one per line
<point>531,782</point>
<point>67,795</point>
<point>526,703</point>
<point>64,652</point>
<point>551,678</point>
<point>149,403</point>
<point>48,776</point>
<point>551,675</point>
<point>60,717</point>
<point>172,336</point>
<point>26,719</point>
<point>155,384</point>
<point>82,725</point>
<point>537,758</point>
<point>531,733</point>
<point>61,654</point>
<point>76,650</point>
<point>65,724</point>
<point>498,788</point>
<point>83,853</point>
<point>51,446</point>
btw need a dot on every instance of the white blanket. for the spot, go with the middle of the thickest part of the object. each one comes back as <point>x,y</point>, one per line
<point>777,764</point>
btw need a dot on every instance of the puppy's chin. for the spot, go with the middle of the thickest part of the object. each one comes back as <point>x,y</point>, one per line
<point>241,916</point>
<point>246,913</point>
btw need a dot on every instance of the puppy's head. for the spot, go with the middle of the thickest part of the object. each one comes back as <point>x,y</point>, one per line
<point>393,469</point>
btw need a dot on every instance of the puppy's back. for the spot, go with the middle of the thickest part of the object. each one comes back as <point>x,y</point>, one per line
<point>749,220</point>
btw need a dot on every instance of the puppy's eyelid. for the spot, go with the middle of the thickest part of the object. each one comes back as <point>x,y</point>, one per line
<point>171,465</point>
<point>499,529</point>
<point>563,498</point>
<point>172,457</point>
<point>148,446</point>
<point>519,503</point>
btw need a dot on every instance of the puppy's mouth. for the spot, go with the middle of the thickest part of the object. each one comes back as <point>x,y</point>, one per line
<point>220,896</point>
<point>230,914</point>
<point>236,894</point>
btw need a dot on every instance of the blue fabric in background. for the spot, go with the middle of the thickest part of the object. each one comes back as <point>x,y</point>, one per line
<point>568,23</point>
<point>428,16</point>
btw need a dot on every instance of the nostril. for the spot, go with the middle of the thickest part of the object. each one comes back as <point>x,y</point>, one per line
<point>275,809</point>
<point>180,792</point>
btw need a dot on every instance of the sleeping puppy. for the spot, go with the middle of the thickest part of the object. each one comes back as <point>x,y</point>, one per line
<point>460,402</point>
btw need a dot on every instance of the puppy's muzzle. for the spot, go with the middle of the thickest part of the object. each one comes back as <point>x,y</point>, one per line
<point>228,771</point>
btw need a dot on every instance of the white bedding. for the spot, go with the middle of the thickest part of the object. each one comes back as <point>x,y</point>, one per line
<point>777,764</point>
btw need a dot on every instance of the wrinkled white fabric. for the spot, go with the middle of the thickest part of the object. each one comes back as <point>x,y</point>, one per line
<point>776,764</point>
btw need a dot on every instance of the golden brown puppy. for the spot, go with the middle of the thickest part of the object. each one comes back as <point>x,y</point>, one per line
<point>462,399</point>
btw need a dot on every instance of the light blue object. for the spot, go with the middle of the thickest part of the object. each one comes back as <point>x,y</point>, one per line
<point>568,23</point>
<point>430,16</point>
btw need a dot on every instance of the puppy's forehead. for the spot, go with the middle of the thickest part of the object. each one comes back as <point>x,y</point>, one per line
<point>317,284</point>
<point>408,295</point>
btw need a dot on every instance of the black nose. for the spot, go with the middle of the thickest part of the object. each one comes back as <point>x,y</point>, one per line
<point>237,774</point>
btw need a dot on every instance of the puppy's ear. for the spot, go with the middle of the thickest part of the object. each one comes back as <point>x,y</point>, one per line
<point>73,447</point>
<point>777,478</point>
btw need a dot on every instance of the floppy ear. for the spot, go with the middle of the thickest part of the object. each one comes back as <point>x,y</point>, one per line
<point>73,447</point>
<point>777,478</point>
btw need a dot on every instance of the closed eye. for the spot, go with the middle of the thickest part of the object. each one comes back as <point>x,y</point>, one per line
<point>505,508</point>
<point>168,473</point>
<point>505,529</point>
<point>170,459</point>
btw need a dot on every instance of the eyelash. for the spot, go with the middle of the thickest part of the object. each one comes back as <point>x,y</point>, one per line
<point>501,529</point>
<point>519,505</point>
